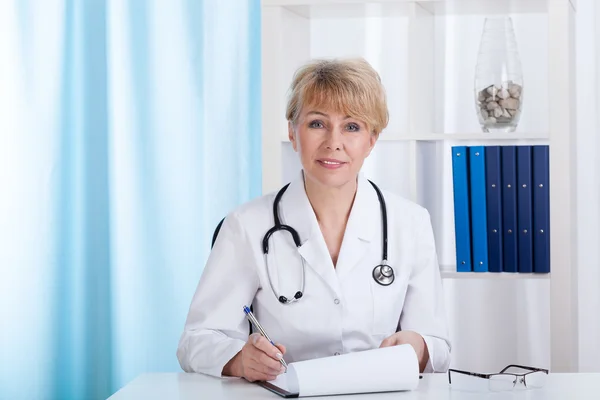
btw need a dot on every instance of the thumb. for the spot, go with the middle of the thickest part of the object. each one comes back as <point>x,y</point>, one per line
<point>387,342</point>
<point>253,338</point>
<point>280,347</point>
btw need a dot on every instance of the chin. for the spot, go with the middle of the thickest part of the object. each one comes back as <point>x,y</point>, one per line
<point>332,179</point>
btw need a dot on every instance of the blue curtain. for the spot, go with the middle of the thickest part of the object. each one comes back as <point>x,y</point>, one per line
<point>128,129</point>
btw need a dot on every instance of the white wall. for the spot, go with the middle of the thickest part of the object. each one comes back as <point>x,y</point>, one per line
<point>588,149</point>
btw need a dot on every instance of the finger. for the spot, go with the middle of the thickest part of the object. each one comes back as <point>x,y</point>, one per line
<point>266,347</point>
<point>260,366</point>
<point>256,375</point>
<point>254,338</point>
<point>388,341</point>
<point>268,362</point>
<point>262,362</point>
<point>281,348</point>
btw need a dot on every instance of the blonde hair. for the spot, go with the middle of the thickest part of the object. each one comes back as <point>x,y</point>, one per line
<point>349,86</point>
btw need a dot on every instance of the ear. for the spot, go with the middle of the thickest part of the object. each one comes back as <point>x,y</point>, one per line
<point>292,135</point>
<point>372,140</point>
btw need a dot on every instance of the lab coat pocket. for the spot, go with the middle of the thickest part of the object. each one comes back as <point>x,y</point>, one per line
<point>387,307</point>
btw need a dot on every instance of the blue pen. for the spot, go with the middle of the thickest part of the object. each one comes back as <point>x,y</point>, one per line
<point>257,325</point>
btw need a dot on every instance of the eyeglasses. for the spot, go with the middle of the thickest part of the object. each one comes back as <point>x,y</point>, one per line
<point>463,380</point>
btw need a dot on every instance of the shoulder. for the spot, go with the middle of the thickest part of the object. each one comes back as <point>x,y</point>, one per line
<point>402,209</point>
<point>253,212</point>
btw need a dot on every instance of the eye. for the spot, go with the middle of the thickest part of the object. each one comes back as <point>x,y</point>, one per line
<point>316,124</point>
<point>353,127</point>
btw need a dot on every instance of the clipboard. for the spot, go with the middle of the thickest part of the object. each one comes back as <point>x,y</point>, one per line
<point>277,390</point>
<point>285,385</point>
<point>283,392</point>
<point>398,370</point>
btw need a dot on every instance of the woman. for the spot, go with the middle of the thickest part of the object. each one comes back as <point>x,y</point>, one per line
<point>335,113</point>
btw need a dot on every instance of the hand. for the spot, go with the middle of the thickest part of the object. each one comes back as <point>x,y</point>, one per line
<point>412,338</point>
<point>257,361</point>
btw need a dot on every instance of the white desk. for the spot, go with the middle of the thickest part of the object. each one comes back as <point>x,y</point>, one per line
<point>197,387</point>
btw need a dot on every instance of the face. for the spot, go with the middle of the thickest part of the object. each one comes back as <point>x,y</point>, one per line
<point>332,146</point>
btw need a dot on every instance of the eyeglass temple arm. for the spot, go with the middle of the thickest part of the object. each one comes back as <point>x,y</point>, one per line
<point>485,376</point>
<point>524,367</point>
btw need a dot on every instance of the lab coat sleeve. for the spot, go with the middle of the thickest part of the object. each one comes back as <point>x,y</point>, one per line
<point>216,328</point>
<point>423,310</point>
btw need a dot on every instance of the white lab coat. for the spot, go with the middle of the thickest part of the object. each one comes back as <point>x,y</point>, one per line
<point>343,309</point>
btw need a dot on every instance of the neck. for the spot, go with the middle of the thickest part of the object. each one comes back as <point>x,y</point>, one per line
<point>331,205</point>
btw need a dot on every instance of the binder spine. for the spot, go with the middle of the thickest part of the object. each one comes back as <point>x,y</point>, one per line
<point>493,170</point>
<point>541,209</point>
<point>509,209</point>
<point>478,208</point>
<point>524,204</point>
<point>462,223</point>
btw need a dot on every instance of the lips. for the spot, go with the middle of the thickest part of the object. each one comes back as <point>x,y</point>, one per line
<point>330,163</point>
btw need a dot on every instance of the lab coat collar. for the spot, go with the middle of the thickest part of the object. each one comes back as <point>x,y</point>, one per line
<point>364,219</point>
<point>360,229</point>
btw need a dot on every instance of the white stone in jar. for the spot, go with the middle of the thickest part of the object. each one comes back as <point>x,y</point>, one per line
<point>492,90</point>
<point>492,105</point>
<point>503,94</point>
<point>514,90</point>
<point>509,103</point>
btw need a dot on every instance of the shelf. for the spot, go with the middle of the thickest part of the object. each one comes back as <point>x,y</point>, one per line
<point>434,137</point>
<point>491,275</point>
<point>426,52</point>
<point>387,8</point>
<point>352,9</point>
<point>484,7</point>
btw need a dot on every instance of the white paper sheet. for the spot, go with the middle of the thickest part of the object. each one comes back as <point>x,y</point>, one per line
<point>379,370</point>
<point>287,381</point>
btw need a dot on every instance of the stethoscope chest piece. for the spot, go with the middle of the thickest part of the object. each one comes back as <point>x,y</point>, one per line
<point>383,274</point>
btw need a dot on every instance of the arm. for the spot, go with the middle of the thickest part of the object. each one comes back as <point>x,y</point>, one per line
<point>216,328</point>
<point>423,310</point>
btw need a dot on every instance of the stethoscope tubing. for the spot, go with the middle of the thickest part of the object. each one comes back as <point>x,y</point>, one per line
<point>383,274</point>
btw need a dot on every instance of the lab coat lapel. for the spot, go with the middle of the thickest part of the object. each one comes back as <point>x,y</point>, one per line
<point>298,213</point>
<point>364,218</point>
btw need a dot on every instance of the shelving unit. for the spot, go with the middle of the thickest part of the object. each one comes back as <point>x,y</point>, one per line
<point>426,52</point>
<point>490,275</point>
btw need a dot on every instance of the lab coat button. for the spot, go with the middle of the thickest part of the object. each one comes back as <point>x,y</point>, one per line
<point>337,301</point>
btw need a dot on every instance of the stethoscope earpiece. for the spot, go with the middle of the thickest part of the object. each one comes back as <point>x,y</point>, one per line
<point>284,300</point>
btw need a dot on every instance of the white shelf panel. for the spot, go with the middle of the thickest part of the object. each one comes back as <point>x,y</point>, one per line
<point>485,7</point>
<point>380,8</point>
<point>492,275</point>
<point>432,137</point>
<point>435,137</point>
<point>353,10</point>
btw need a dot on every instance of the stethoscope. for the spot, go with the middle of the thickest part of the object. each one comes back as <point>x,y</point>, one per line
<point>383,274</point>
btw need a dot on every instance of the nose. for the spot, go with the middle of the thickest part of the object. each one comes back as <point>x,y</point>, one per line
<point>334,139</point>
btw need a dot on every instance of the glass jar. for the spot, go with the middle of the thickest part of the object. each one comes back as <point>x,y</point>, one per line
<point>498,77</point>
